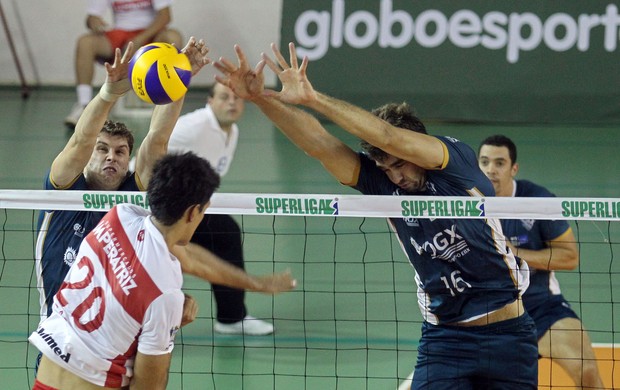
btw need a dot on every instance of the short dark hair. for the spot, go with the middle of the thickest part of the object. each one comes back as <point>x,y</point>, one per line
<point>501,140</point>
<point>399,115</point>
<point>118,129</point>
<point>180,181</point>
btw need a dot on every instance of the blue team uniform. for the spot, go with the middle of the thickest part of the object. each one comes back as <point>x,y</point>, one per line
<point>60,235</point>
<point>543,299</point>
<point>462,273</point>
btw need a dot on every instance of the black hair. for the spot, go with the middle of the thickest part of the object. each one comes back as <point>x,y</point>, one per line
<point>180,181</point>
<point>501,140</point>
<point>118,129</point>
<point>399,115</point>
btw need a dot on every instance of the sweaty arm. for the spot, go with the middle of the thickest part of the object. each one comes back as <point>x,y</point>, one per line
<point>72,160</point>
<point>421,149</point>
<point>196,260</point>
<point>150,372</point>
<point>155,144</point>
<point>561,254</point>
<point>306,132</point>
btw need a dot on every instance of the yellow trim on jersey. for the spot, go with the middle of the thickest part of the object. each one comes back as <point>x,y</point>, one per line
<point>72,182</point>
<point>139,182</point>
<point>566,233</point>
<point>446,155</point>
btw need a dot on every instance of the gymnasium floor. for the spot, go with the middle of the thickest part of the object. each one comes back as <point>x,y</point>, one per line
<point>352,324</point>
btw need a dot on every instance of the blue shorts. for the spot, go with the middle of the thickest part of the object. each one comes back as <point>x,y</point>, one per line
<point>548,312</point>
<point>503,355</point>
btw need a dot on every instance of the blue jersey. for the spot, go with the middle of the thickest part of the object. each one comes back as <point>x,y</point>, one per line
<point>60,234</point>
<point>463,271</point>
<point>534,234</point>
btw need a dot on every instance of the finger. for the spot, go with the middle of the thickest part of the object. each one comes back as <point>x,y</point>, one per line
<point>304,66</point>
<point>223,80</point>
<point>279,57</point>
<point>270,93</point>
<point>128,52</point>
<point>292,55</point>
<point>260,67</point>
<point>219,66</point>
<point>243,62</point>
<point>272,65</point>
<point>229,65</point>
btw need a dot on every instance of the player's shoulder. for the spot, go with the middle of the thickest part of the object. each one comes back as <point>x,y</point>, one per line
<point>128,210</point>
<point>192,119</point>
<point>527,188</point>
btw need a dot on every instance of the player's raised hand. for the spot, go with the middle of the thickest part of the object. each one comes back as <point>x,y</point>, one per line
<point>197,52</point>
<point>119,69</point>
<point>296,88</point>
<point>245,82</point>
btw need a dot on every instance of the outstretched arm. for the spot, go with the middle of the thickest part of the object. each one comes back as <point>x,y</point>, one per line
<point>196,260</point>
<point>155,144</point>
<point>421,149</point>
<point>303,129</point>
<point>71,161</point>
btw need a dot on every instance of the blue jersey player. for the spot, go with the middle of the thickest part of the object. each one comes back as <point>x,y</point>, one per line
<point>96,157</point>
<point>476,333</point>
<point>546,245</point>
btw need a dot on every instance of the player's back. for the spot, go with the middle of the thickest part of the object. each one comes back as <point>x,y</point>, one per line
<point>122,295</point>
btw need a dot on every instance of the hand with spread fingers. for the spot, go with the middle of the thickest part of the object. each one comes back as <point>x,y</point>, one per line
<point>245,82</point>
<point>196,51</point>
<point>296,88</point>
<point>119,71</point>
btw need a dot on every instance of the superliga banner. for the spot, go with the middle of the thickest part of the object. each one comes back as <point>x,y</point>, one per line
<point>502,60</point>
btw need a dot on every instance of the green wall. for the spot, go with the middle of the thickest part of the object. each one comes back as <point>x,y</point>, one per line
<point>489,61</point>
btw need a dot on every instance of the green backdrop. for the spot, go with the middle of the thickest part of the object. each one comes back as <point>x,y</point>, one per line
<point>493,61</point>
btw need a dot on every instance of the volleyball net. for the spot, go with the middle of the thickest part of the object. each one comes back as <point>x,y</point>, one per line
<point>352,322</point>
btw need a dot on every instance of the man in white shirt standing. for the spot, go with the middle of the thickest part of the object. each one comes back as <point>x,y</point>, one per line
<point>211,132</point>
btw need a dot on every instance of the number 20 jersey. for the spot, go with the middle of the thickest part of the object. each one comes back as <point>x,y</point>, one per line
<point>122,295</point>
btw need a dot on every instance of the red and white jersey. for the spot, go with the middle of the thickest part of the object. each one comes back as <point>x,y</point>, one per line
<point>128,15</point>
<point>122,295</point>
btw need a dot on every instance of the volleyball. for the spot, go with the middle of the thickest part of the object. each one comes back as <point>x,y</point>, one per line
<point>159,73</point>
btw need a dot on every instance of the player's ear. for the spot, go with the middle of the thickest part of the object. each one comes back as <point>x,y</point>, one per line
<point>514,170</point>
<point>193,212</point>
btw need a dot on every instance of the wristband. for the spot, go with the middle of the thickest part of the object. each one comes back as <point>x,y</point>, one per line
<point>106,91</point>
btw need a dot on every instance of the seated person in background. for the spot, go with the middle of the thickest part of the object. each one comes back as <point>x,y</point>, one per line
<point>134,20</point>
<point>546,245</point>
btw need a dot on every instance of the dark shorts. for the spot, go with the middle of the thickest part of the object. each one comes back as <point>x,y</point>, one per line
<point>503,355</point>
<point>548,312</point>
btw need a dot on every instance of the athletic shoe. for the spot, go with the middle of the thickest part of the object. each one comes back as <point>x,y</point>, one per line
<point>76,111</point>
<point>248,326</point>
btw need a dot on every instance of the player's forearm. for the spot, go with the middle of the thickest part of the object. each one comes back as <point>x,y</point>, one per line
<point>549,259</point>
<point>205,265</point>
<point>303,129</point>
<point>155,144</point>
<point>353,119</point>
